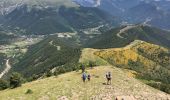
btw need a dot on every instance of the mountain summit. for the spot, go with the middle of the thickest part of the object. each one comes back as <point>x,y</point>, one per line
<point>88,3</point>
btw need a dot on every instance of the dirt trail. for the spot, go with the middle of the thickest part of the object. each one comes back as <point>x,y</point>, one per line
<point>128,88</point>
<point>124,29</point>
<point>6,70</point>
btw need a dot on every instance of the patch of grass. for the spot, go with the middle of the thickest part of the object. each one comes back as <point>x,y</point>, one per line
<point>88,56</point>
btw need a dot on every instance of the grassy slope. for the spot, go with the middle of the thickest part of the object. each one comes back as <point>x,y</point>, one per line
<point>70,86</point>
<point>88,56</point>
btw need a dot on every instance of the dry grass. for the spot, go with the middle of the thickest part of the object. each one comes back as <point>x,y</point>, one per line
<point>70,86</point>
<point>88,56</point>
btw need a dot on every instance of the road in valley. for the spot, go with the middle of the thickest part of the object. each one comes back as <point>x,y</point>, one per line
<point>124,29</point>
<point>6,70</point>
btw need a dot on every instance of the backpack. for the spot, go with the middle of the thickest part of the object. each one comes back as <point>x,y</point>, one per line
<point>109,75</point>
<point>88,76</point>
<point>84,76</point>
<point>106,75</point>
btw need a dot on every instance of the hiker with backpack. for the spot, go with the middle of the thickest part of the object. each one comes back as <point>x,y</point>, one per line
<point>91,65</point>
<point>84,77</point>
<point>82,68</point>
<point>109,78</point>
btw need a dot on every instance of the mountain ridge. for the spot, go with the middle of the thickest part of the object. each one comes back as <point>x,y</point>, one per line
<point>112,38</point>
<point>70,86</point>
<point>151,62</point>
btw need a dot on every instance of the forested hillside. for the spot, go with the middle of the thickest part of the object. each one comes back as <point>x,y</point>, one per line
<point>117,38</point>
<point>2,61</point>
<point>47,54</point>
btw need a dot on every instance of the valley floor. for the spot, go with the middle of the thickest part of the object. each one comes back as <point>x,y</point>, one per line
<point>69,86</point>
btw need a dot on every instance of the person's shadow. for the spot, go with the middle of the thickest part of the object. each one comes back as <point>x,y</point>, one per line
<point>104,83</point>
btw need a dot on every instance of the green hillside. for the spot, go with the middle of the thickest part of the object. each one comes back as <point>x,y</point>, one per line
<point>47,54</point>
<point>112,39</point>
<point>70,86</point>
<point>2,61</point>
<point>151,62</point>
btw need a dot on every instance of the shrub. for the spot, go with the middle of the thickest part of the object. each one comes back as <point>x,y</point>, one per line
<point>29,91</point>
<point>135,65</point>
<point>49,73</point>
<point>33,77</point>
<point>55,73</point>
<point>161,86</point>
<point>15,80</point>
<point>3,84</point>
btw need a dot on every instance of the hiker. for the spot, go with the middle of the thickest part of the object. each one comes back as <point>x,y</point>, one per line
<point>82,68</point>
<point>91,65</point>
<point>108,77</point>
<point>84,76</point>
<point>89,77</point>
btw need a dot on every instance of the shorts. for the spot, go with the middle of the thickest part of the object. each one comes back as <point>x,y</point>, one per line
<point>108,79</point>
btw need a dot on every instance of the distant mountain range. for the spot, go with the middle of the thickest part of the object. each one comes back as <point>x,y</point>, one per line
<point>137,11</point>
<point>54,16</point>
<point>50,17</point>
